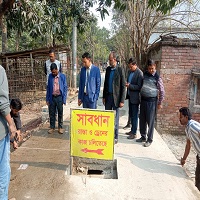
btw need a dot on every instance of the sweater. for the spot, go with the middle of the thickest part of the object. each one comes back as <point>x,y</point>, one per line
<point>4,103</point>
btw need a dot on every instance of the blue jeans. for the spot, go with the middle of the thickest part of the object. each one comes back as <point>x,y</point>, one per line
<point>88,104</point>
<point>4,167</point>
<point>57,104</point>
<point>110,105</point>
<point>133,111</point>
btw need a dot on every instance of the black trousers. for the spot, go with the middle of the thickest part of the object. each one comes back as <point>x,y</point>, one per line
<point>147,117</point>
<point>197,174</point>
<point>57,104</point>
<point>110,105</point>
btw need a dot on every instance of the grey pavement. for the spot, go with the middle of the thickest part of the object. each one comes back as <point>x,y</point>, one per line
<point>39,169</point>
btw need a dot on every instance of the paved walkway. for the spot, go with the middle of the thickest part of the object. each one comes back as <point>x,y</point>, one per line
<point>151,173</point>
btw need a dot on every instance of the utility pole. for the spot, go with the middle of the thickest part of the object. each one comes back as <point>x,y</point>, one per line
<point>4,34</point>
<point>74,53</point>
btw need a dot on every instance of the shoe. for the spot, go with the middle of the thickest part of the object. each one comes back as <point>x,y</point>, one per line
<point>127,126</point>
<point>61,130</point>
<point>129,133</point>
<point>132,136</point>
<point>116,141</point>
<point>147,144</point>
<point>141,139</point>
<point>50,131</point>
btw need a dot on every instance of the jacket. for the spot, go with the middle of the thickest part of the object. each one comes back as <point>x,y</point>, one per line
<point>119,85</point>
<point>62,85</point>
<point>94,83</point>
<point>133,91</point>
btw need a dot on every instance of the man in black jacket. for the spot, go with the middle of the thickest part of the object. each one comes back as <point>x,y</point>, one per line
<point>134,84</point>
<point>114,90</point>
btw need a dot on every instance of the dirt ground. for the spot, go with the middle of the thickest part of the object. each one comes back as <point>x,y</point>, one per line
<point>176,144</point>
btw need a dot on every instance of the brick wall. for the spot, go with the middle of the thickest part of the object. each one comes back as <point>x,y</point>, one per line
<point>176,62</point>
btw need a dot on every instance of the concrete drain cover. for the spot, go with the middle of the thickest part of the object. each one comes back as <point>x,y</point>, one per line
<point>106,169</point>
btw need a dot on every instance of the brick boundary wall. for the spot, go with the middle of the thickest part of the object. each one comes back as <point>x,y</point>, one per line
<point>176,59</point>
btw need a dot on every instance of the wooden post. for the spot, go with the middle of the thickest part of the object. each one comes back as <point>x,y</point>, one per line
<point>32,64</point>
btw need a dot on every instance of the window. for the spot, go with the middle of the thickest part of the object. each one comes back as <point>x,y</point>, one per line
<point>195,93</point>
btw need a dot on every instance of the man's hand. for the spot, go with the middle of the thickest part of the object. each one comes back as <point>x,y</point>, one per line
<point>127,85</point>
<point>79,102</point>
<point>17,135</point>
<point>103,100</point>
<point>47,103</point>
<point>186,153</point>
<point>12,130</point>
<point>159,106</point>
<point>182,161</point>
<point>121,104</point>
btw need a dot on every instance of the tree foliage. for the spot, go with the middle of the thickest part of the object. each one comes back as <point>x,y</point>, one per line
<point>94,41</point>
<point>163,5</point>
<point>5,5</point>
<point>160,5</point>
<point>139,22</point>
<point>40,23</point>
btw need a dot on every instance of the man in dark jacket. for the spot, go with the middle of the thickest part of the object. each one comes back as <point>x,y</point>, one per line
<point>114,90</point>
<point>134,84</point>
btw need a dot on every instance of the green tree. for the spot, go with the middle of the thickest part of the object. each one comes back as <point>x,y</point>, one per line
<point>94,41</point>
<point>163,5</point>
<point>51,20</point>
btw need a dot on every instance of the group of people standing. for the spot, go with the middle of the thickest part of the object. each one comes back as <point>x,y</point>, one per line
<point>145,90</point>
<point>114,86</point>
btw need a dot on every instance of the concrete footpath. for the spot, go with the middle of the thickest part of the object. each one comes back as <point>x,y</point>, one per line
<point>39,170</point>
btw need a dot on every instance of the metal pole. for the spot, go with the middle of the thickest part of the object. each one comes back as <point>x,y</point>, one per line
<point>74,53</point>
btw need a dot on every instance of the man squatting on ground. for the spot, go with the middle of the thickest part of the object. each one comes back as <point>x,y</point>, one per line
<point>16,106</point>
<point>192,130</point>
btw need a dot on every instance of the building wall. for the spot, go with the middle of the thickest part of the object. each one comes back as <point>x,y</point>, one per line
<point>175,65</point>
